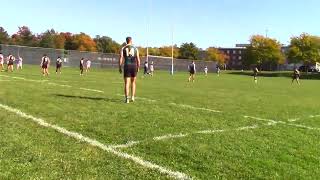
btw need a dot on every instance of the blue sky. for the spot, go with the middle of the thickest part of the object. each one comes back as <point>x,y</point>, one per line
<point>220,23</point>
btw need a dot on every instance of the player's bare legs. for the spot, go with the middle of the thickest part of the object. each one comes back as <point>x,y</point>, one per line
<point>126,88</point>
<point>133,88</point>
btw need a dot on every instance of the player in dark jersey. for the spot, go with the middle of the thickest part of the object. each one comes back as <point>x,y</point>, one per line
<point>45,63</point>
<point>129,58</point>
<point>10,62</point>
<point>81,66</point>
<point>255,74</point>
<point>296,76</point>
<point>192,71</point>
<point>58,65</point>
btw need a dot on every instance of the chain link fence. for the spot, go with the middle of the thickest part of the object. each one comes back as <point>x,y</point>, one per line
<point>71,58</point>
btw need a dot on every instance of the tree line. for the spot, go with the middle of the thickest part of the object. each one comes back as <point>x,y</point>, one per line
<point>260,51</point>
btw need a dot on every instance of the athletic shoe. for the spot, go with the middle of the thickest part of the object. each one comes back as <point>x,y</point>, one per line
<point>132,99</point>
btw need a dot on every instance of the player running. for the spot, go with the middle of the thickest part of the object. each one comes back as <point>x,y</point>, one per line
<point>192,71</point>
<point>255,74</point>
<point>58,65</point>
<point>1,62</point>
<point>129,58</point>
<point>296,76</point>
<point>81,66</point>
<point>88,65</point>
<point>19,63</point>
<point>151,69</point>
<point>206,71</point>
<point>10,62</point>
<point>45,63</point>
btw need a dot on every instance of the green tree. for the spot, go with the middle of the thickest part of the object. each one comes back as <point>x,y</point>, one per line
<point>264,51</point>
<point>47,39</point>
<point>106,44</point>
<point>189,51</point>
<point>4,36</point>
<point>213,54</point>
<point>304,48</point>
<point>24,37</point>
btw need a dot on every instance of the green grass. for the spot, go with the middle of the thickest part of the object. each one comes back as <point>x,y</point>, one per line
<point>29,151</point>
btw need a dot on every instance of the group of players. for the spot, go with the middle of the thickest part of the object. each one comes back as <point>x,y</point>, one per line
<point>129,63</point>
<point>45,64</point>
<point>9,61</point>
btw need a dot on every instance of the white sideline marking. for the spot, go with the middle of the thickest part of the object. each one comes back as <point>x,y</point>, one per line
<point>294,120</point>
<point>55,84</point>
<point>93,90</point>
<point>191,107</point>
<point>127,145</point>
<point>145,99</point>
<point>281,122</point>
<point>210,131</point>
<point>314,116</point>
<point>169,136</point>
<point>303,126</point>
<point>181,135</point>
<point>271,122</point>
<point>95,143</point>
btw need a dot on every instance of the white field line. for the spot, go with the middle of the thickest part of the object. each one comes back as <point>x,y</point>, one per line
<point>294,119</point>
<point>93,90</point>
<point>298,119</point>
<point>144,99</point>
<point>197,108</point>
<point>169,136</point>
<point>281,122</point>
<point>95,143</point>
<point>61,85</point>
<point>183,135</point>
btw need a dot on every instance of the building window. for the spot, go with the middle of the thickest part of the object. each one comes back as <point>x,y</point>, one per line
<point>239,57</point>
<point>228,52</point>
<point>240,52</point>
<point>234,51</point>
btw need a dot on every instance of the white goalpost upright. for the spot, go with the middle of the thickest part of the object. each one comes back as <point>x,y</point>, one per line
<point>172,39</point>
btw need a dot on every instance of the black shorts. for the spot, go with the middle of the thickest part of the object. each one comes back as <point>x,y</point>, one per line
<point>81,67</point>
<point>192,72</point>
<point>10,63</point>
<point>296,76</point>
<point>45,66</point>
<point>130,71</point>
<point>59,66</point>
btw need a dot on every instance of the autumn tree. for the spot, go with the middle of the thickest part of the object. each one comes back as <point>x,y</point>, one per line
<point>4,36</point>
<point>189,51</point>
<point>167,51</point>
<point>84,42</point>
<point>213,54</point>
<point>304,48</point>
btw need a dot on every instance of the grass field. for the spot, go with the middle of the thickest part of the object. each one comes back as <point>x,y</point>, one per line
<point>216,128</point>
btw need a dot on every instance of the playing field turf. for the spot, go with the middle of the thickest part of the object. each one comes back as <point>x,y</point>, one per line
<point>216,128</point>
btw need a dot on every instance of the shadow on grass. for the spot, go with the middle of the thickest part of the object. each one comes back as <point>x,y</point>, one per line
<point>312,76</point>
<point>88,98</point>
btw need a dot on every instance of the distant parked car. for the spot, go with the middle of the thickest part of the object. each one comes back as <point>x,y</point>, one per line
<point>308,69</point>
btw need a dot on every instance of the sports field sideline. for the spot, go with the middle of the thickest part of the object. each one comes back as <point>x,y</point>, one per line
<point>71,127</point>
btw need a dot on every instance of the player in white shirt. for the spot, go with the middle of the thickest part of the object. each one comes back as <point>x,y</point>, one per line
<point>10,62</point>
<point>88,65</point>
<point>1,62</point>
<point>19,63</point>
<point>151,69</point>
<point>206,70</point>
